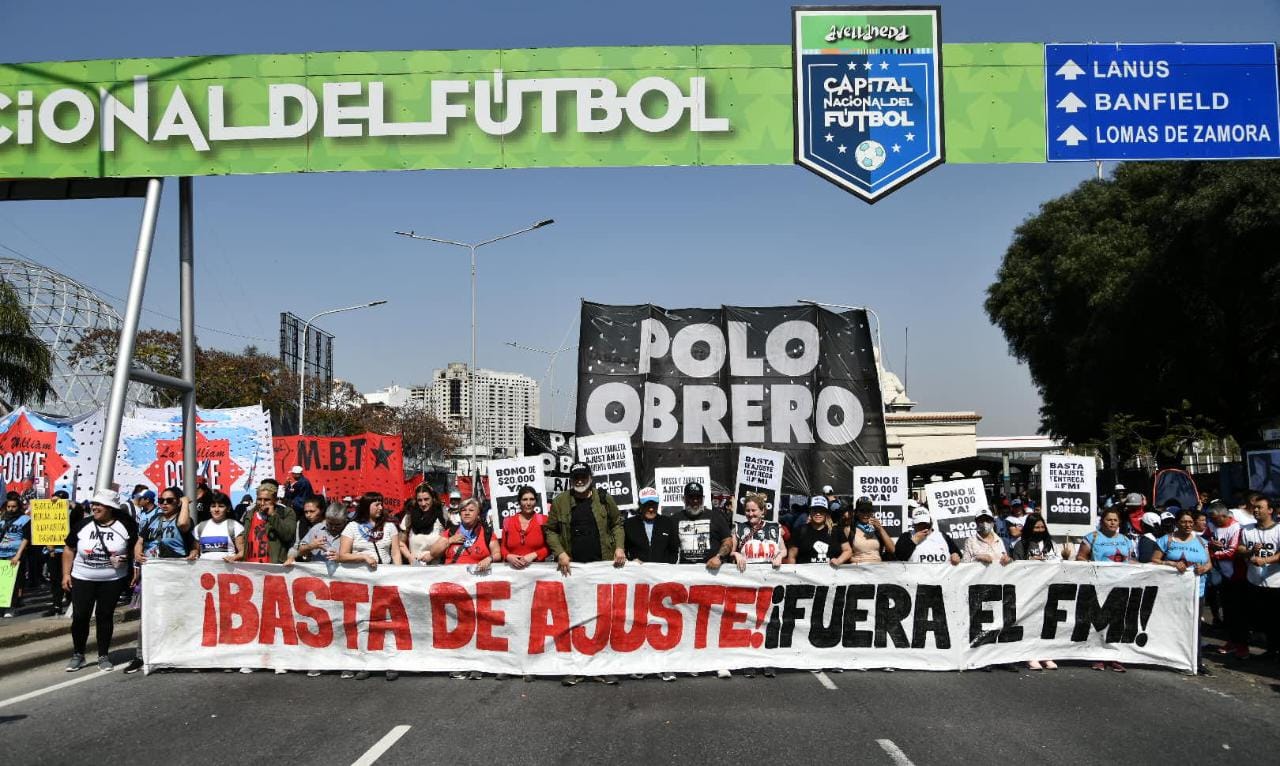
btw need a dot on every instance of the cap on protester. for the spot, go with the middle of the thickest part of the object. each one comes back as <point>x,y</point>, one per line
<point>147,495</point>
<point>1166,516</point>
<point>649,495</point>
<point>455,495</point>
<point>921,516</point>
<point>296,469</point>
<point>348,499</point>
<point>827,490</point>
<point>817,503</point>
<point>106,497</point>
<point>579,469</point>
<point>693,489</point>
<point>985,515</point>
<point>1016,501</point>
<point>1119,488</point>
<point>1133,498</point>
<point>864,504</point>
<point>1031,504</point>
<point>1151,519</point>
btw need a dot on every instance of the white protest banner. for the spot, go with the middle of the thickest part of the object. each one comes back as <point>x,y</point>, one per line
<point>660,617</point>
<point>954,504</point>
<point>670,483</point>
<point>613,468</point>
<point>759,472</point>
<point>506,477</point>
<point>1069,494</point>
<point>886,486</point>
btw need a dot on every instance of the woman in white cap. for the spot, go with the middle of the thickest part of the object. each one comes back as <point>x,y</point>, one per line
<point>97,560</point>
<point>815,542</point>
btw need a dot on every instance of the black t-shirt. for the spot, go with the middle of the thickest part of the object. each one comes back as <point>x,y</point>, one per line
<point>815,545</point>
<point>702,534</point>
<point>586,533</point>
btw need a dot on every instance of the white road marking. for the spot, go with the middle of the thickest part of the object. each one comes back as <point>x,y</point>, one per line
<point>48,689</point>
<point>381,746</point>
<point>825,680</point>
<point>899,758</point>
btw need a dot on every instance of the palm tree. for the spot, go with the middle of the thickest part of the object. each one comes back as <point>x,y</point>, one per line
<point>26,363</point>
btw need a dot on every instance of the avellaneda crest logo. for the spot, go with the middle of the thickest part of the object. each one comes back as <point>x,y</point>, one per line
<point>868,94</point>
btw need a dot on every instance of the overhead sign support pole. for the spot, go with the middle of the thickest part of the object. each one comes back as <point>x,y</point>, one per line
<point>128,336</point>
<point>125,371</point>
<point>187,300</point>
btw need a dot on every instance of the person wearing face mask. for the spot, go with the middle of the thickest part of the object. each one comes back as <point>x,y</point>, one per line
<point>861,539</point>
<point>650,536</point>
<point>922,544</point>
<point>1035,544</point>
<point>986,547</point>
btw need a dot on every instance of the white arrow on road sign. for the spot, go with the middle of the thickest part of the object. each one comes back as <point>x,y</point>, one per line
<point>1069,71</point>
<point>1071,103</point>
<point>1071,136</point>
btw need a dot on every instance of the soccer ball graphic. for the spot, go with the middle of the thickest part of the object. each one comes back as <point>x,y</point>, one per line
<point>869,155</point>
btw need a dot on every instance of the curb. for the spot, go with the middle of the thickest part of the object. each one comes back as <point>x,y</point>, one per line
<point>51,641</point>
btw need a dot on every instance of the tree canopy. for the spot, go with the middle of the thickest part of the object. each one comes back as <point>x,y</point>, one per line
<point>1154,291</point>
<point>26,363</point>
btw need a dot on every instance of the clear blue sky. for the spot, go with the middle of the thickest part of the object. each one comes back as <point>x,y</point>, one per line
<point>674,236</point>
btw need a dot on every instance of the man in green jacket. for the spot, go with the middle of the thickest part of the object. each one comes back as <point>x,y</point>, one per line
<point>584,524</point>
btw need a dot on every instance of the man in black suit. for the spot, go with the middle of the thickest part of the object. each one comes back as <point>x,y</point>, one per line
<point>650,536</point>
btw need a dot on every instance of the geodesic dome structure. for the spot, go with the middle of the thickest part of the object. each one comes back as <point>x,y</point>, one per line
<point>62,310</point>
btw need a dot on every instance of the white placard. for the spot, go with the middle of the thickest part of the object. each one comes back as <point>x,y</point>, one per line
<point>759,472</point>
<point>886,486</point>
<point>1069,494</point>
<point>670,485</point>
<point>506,477</point>
<point>613,468</point>
<point>954,504</point>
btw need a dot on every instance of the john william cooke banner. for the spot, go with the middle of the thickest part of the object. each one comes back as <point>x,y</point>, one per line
<point>657,617</point>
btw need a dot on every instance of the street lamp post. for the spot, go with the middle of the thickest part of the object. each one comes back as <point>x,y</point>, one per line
<point>550,375</point>
<point>302,358</point>
<point>472,247</point>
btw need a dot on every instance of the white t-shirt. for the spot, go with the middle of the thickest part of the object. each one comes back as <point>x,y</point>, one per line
<point>96,546</point>
<point>217,539</point>
<point>366,538</point>
<point>1262,542</point>
<point>933,550</point>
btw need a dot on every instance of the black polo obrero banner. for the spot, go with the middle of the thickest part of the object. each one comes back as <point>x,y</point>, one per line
<point>690,386</point>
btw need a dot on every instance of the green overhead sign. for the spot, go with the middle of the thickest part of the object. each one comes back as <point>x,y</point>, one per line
<point>411,110</point>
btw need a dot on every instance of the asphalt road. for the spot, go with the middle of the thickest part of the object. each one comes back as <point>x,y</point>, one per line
<point>1071,716</point>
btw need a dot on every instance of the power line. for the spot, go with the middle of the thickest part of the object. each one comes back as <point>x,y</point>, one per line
<point>121,301</point>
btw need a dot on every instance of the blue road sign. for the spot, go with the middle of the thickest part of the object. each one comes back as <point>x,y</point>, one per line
<point>1162,102</point>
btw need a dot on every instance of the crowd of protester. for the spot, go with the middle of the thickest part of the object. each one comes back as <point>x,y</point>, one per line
<point>1233,551</point>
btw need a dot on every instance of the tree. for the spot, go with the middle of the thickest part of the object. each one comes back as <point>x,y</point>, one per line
<point>26,363</point>
<point>226,379</point>
<point>223,378</point>
<point>1152,296</point>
